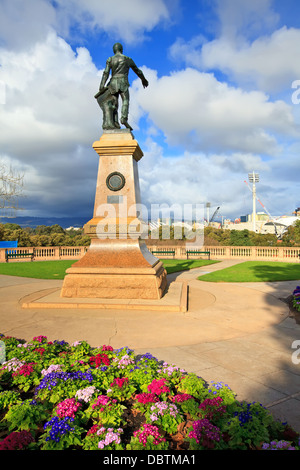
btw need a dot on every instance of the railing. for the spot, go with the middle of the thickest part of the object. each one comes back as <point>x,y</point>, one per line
<point>247,253</point>
<point>43,253</point>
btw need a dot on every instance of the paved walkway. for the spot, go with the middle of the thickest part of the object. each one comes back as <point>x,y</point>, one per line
<point>240,334</point>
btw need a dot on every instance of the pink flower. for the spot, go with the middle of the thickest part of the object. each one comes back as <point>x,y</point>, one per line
<point>67,408</point>
<point>103,400</point>
<point>40,338</point>
<point>146,431</point>
<point>181,397</point>
<point>158,386</point>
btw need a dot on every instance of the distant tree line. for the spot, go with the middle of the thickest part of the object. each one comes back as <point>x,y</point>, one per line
<point>43,235</point>
<point>214,236</point>
<point>55,235</point>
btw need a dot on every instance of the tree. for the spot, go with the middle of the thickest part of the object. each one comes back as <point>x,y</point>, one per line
<point>266,239</point>
<point>56,229</point>
<point>215,236</point>
<point>292,235</point>
<point>57,239</point>
<point>42,230</point>
<point>20,235</point>
<point>240,238</point>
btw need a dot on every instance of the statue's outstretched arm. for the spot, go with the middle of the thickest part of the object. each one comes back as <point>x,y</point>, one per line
<point>139,73</point>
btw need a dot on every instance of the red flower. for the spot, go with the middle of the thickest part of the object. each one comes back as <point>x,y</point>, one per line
<point>119,382</point>
<point>26,369</point>
<point>212,407</point>
<point>146,398</point>
<point>93,429</point>
<point>16,440</point>
<point>99,359</point>
<point>40,350</point>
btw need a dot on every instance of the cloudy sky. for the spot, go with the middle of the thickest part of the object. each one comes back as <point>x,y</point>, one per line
<point>223,99</point>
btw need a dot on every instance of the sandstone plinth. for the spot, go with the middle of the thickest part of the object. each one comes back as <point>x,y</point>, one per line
<point>117,264</point>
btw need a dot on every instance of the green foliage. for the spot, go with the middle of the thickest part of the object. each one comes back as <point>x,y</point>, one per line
<point>292,235</point>
<point>214,236</point>
<point>61,434</point>
<point>43,235</point>
<point>249,426</point>
<point>74,404</point>
<point>147,438</point>
<point>189,407</point>
<point>25,416</point>
<point>165,416</point>
<point>9,398</point>
<point>193,385</point>
<point>109,414</point>
<point>222,390</point>
<point>55,235</point>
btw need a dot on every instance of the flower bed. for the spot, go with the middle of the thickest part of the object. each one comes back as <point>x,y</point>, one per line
<point>57,396</point>
<point>296,298</point>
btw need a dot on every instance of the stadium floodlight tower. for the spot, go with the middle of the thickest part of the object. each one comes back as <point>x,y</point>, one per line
<point>253,178</point>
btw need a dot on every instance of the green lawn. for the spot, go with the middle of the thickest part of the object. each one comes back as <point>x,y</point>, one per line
<point>256,271</point>
<point>37,269</point>
<point>57,269</point>
<point>176,265</point>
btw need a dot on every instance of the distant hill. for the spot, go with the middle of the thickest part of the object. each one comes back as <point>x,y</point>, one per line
<point>33,222</point>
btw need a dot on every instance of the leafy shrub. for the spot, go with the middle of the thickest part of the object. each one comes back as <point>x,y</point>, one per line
<point>57,396</point>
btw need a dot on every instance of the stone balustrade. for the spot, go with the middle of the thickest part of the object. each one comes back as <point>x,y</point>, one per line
<point>247,253</point>
<point>47,253</point>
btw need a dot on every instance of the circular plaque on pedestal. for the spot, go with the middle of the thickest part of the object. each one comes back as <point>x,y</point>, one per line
<point>115,181</point>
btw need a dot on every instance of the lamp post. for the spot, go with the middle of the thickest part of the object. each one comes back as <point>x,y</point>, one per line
<point>253,178</point>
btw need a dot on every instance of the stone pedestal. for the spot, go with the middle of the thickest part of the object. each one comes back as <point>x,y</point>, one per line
<point>118,264</point>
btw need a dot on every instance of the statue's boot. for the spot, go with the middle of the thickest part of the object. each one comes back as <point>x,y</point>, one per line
<point>125,123</point>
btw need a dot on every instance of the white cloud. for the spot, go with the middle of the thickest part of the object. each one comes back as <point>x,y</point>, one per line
<point>241,18</point>
<point>50,102</point>
<point>248,48</point>
<point>195,110</point>
<point>127,20</point>
<point>49,122</point>
<point>218,178</point>
<point>269,63</point>
<point>22,23</point>
<point>50,118</point>
<point>196,178</point>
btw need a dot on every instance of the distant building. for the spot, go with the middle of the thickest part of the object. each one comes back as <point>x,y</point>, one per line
<point>297,212</point>
<point>264,223</point>
<point>73,228</point>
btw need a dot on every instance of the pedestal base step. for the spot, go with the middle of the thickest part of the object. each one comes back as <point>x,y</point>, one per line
<point>175,299</point>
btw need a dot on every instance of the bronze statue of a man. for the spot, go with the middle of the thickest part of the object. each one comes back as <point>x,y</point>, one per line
<point>108,96</point>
